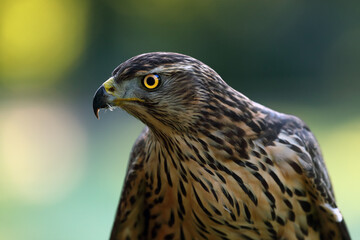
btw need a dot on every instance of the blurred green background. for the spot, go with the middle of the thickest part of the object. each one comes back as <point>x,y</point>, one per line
<point>61,170</point>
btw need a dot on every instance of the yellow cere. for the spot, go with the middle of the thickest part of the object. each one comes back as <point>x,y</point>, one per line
<point>151,81</point>
<point>109,85</point>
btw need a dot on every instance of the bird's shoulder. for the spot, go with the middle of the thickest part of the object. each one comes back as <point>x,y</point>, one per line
<point>291,142</point>
<point>288,137</point>
<point>297,136</point>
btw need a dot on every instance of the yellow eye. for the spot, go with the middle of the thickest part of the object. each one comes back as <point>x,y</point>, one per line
<point>151,81</point>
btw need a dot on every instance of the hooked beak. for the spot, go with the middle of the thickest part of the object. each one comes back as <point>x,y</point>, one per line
<point>99,101</point>
<point>108,95</point>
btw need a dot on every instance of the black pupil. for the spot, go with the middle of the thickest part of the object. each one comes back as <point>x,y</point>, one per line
<point>150,81</point>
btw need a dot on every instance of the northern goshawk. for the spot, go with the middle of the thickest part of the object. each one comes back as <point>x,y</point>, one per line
<point>211,163</point>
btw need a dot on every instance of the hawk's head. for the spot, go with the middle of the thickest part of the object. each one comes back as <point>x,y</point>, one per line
<point>161,89</point>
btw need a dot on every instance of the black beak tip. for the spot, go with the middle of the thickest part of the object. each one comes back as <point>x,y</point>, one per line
<point>99,101</point>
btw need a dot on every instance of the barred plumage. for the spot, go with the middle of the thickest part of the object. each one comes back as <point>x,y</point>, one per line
<point>211,163</point>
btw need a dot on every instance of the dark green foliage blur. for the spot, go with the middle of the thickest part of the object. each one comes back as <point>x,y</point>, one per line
<point>305,52</point>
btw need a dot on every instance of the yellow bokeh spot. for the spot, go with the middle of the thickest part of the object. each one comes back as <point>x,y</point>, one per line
<point>39,40</point>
